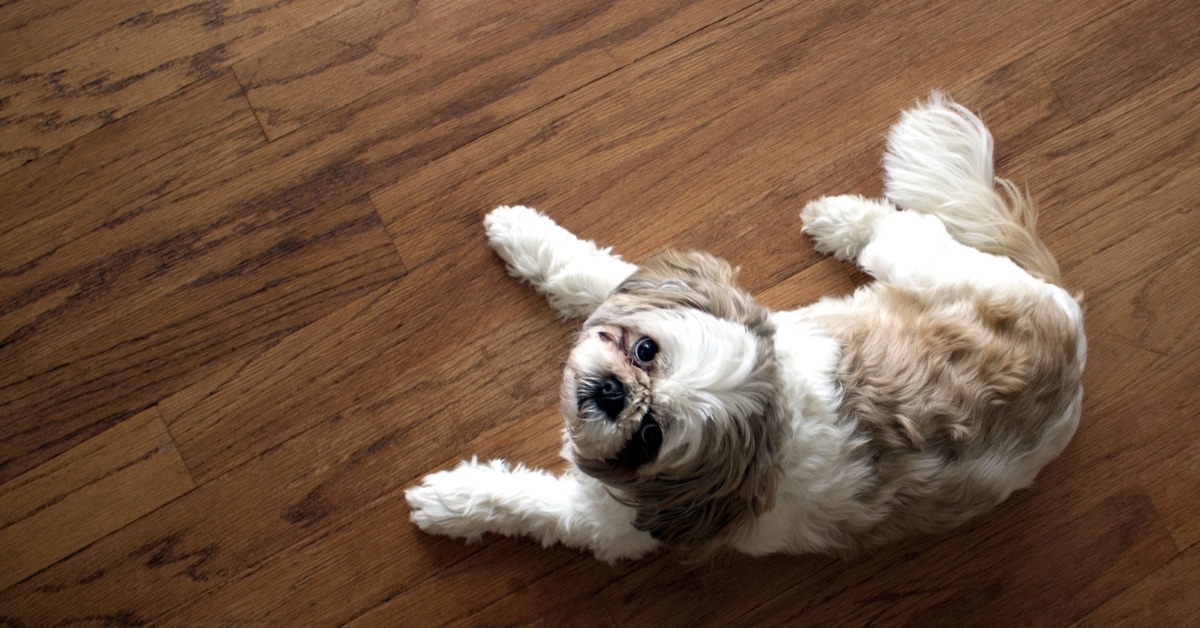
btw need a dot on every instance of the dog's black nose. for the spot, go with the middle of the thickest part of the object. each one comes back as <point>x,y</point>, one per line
<point>610,396</point>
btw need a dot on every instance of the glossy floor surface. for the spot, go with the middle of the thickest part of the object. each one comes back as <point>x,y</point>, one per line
<point>245,297</point>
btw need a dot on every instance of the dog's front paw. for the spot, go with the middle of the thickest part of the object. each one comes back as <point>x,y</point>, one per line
<point>523,238</point>
<point>504,223</point>
<point>843,225</point>
<point>445,503</point>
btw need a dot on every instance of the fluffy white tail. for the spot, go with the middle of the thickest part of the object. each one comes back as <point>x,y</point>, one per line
<point>939,161</point>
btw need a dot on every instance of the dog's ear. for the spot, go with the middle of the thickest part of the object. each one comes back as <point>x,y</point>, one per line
<point>700,500</point>
<point>696,280</point>
<point>704,503</point>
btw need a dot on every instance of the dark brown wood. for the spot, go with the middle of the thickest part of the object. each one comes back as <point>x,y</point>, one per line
<point>245,297</point>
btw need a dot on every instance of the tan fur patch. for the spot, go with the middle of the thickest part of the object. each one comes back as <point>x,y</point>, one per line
<point>697,280</point>
<point>935,383</point>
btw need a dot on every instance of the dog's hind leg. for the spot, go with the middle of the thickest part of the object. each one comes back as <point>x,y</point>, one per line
<point>939,162</point>
<point>476,498</point>
<point>902,247</point>
<point>843,225</point>
<point>915,250</point>
<point>574,275</point>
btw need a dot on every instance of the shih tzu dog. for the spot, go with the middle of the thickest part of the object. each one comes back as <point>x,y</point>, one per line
<point>698,420</point>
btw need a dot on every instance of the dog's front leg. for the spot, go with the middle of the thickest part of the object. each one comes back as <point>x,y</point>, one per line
<point>475,498</point>
<point>575,275</point>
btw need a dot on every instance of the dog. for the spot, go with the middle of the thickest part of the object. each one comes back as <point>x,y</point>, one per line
<point>697,420</point>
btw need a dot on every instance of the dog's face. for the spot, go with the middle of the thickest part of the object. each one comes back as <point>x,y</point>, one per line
<point>671,394</point>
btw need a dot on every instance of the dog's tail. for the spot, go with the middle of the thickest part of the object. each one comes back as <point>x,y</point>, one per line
<point>939,161</point>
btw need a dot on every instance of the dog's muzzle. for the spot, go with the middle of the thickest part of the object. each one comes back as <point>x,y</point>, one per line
<point>606,393</point>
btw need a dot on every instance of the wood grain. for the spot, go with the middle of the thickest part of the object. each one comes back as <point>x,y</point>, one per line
<point>1105,69</point>
<point>358,51</point>
<point>245,297</point>
<point>1174,480</point>
<point>375,44</point>
<point>1168,592</point>
<point>155,52</point>
<point>36,29</point>
<point>266,257</point>
<point>86,493</point>
<point>55,201</point>
<point>657,151</point>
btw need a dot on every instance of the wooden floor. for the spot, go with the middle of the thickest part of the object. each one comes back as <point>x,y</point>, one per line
<point>245,299</point>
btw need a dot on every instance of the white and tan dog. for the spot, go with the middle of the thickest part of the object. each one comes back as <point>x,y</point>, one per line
<point>698,420</point>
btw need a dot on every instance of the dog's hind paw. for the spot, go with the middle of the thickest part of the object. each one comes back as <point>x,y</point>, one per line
<point>843,225</point>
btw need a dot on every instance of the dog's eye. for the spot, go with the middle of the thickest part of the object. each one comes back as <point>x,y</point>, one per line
<point>644,350</point>
<point>651,435</point>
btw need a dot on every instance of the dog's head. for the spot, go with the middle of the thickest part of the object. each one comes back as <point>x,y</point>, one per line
<point>672,396</point>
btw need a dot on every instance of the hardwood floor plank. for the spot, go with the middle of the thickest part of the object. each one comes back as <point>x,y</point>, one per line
<point>1121,188</point>
<point>1019,106</point>
<point>376,569</point>
<point>1148,430</point>
<point>665,23</point>
<point>370,46</point>
<point>293,276</point>
<point>688,146</point>
<point>369,353</point>
<point>1122,150</point>
<point>330,165</point>
<point>403,574</point>
<point>365,48</point>
<point>418,33</point>
<point>87,492</point>
<point>31,30</point>
<point>52,203</point>
<point>330,578</point>
<point>1165,37</point>
<point>1149,296</point>
<point>147,57</point>
<point>1174,480</point>
<point>1169,593</point>
<point>302,78</point>
<point>302,487</point>
<point>986,570</point>
<point>178,286</point>
<point>555,589</point>
<point>828,278</point>
<point>191,545</point>
<point>1126,428</point>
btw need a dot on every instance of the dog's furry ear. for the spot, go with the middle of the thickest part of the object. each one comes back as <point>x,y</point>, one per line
<point>705,503</point>
<point>697,280</point>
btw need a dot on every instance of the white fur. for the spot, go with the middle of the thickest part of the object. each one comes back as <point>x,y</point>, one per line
<point>575,275</point>
<point>572,509</point>
<point>938,166</point>
<point>705,356</point>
